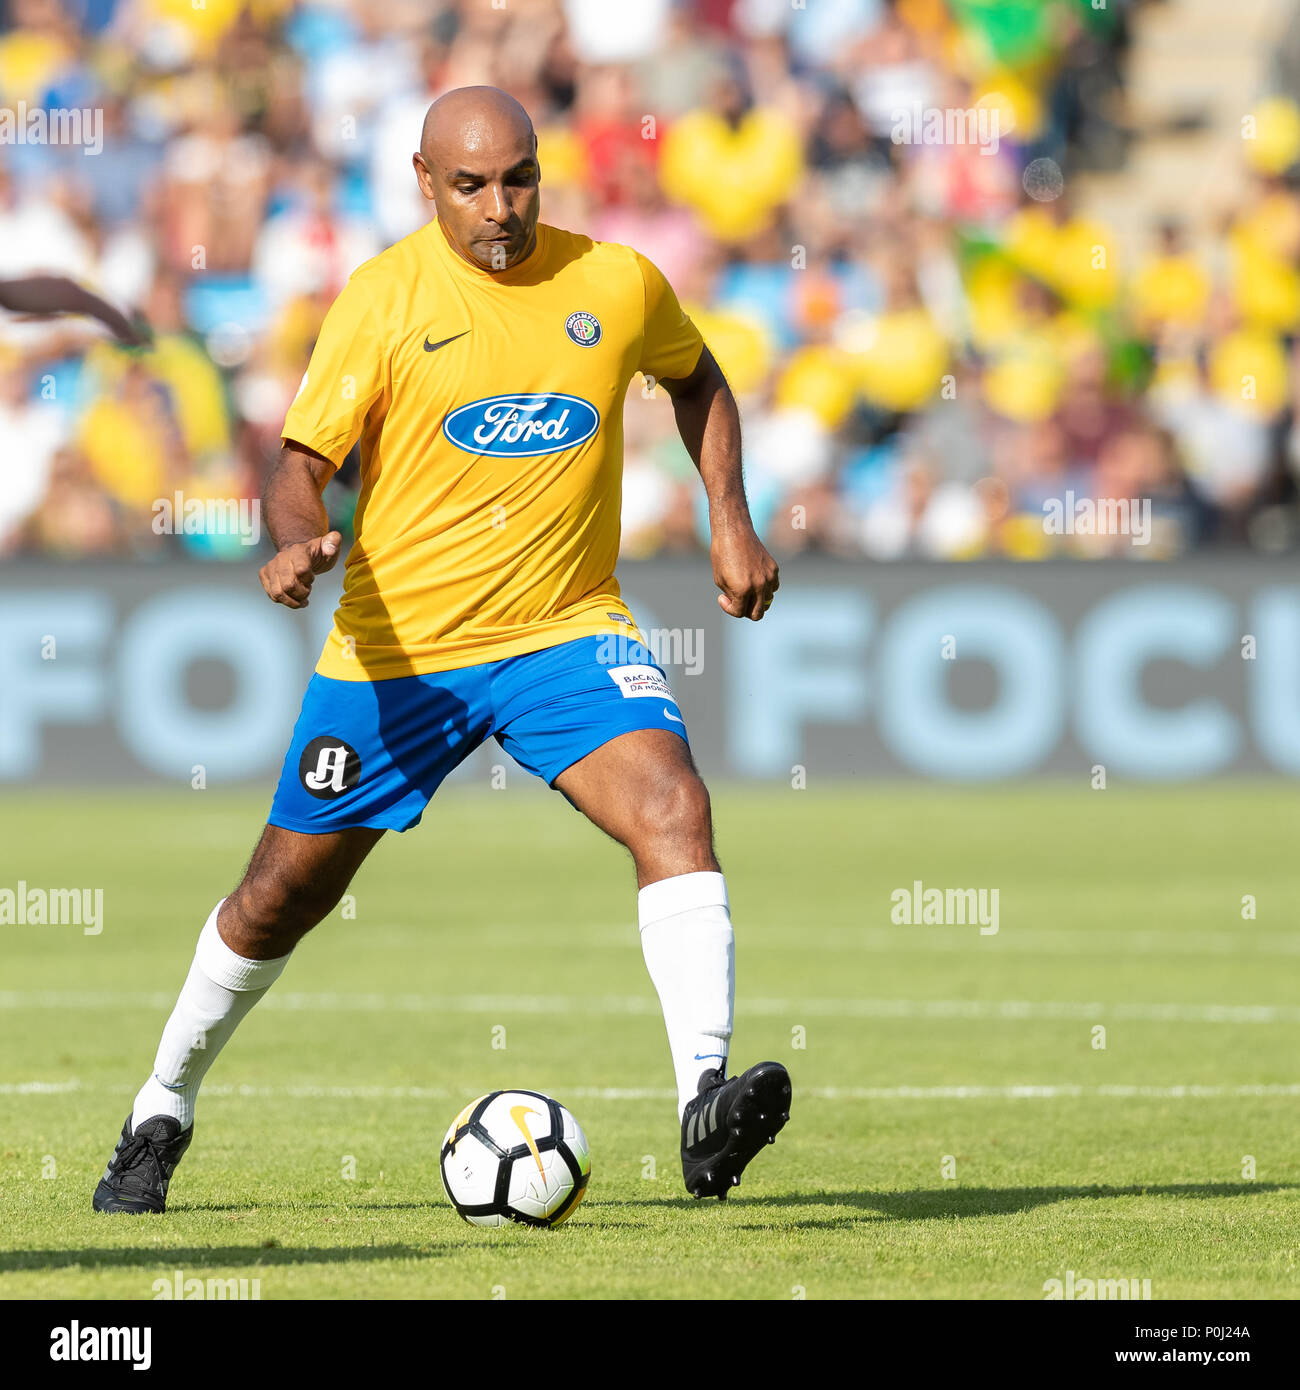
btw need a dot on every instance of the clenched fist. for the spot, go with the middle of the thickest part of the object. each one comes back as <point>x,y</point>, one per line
<point>288,577</point>
<point>746,574</point>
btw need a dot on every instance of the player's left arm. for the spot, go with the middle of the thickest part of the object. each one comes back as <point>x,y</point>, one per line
<point>709,424</point>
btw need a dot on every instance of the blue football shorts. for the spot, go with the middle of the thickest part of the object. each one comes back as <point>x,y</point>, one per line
<point>374,752</point>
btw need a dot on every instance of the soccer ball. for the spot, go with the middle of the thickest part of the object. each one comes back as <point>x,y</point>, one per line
<point>515,1156</point>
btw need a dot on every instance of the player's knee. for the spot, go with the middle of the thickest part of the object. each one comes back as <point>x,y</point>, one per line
<point>679,815</point>
<point>275,907</point>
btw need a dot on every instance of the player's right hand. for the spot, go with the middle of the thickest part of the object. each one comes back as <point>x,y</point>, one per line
<point>288,577</point>
<point>134,332</point>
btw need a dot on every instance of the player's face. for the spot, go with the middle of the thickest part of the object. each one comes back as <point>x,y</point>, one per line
<point>487,200</point>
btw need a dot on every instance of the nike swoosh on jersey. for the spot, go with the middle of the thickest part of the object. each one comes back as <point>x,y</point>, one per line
<point>676,718</point>
<point>433,347</point>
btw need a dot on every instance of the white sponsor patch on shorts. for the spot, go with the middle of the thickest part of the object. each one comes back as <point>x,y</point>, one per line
<point>638,681</point>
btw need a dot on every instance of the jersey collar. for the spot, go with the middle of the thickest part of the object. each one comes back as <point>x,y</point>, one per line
<point>479,273</point>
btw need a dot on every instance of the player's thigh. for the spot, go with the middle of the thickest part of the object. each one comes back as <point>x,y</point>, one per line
<point>597,719</point>
<point>556,707</point>
<point>293,880</point>
<point>642,788</point>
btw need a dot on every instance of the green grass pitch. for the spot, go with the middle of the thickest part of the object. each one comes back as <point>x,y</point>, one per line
<point>912,1165</point>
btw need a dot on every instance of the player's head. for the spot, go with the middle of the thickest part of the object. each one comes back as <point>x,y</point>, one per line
<point>478,163</point>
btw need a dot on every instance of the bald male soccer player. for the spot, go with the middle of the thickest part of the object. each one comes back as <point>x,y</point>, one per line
<point>483,362</point>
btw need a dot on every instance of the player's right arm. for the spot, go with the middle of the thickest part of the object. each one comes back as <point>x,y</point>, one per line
<point>347,377</point>
<point>43,295</point>
<point>299,526</point>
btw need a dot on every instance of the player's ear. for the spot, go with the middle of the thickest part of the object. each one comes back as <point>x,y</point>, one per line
<point>422,175</point>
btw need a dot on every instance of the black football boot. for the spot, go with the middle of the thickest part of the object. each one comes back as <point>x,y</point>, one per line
<point>137,1175</point>
<point>728,1122</point>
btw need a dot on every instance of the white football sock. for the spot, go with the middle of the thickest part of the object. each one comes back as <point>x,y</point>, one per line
<point>219,990</point>
<point>689,950</point>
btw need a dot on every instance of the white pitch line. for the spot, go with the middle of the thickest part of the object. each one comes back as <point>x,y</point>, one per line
<point>1242,945</point>
<point>1112,1092</point>
<point>506,1005</point>
<point>632,1093</point>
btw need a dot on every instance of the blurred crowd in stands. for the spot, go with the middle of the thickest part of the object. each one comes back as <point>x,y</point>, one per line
<point>865,205</point>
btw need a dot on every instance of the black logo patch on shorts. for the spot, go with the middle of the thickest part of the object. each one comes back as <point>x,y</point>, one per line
<point>329,767</point>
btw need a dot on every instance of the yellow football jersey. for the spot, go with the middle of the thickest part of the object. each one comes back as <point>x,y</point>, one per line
<point>489,406</point>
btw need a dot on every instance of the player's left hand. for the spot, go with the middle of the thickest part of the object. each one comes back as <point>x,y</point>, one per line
<point>745,572</point>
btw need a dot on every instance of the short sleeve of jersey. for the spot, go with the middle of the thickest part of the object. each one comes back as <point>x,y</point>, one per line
<point>672,344</point>
<point>347,374</point>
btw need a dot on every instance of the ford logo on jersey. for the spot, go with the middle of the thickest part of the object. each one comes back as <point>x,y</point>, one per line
<point>516,426</point>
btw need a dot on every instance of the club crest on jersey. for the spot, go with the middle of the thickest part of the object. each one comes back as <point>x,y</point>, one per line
<point>516,426</point>
<point>583,328</point>
<point>329,767</point>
